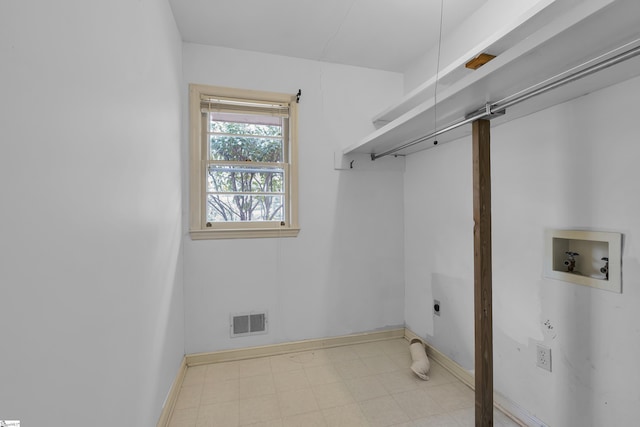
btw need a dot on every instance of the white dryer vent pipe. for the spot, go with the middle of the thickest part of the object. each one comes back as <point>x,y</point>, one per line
<point>420,365</point>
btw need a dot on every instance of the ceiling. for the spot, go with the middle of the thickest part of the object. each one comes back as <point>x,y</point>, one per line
<point>381,34</point>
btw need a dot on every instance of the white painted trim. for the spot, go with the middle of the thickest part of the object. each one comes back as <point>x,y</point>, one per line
<point>275,349</point>
<point>248,233</point>
<point>500,402</point>
<point>172,397</point>
<point>515,412</point>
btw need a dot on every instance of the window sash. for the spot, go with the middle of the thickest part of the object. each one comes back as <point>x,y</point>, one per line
<point>285,194</point>
<point>247,166</point>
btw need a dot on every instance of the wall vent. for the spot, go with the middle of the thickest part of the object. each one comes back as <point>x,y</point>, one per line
<point>243,324</point>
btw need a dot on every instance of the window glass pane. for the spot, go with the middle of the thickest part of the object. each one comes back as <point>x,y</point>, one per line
<point>242,148</point>
<point>244,207</point>
<point>245,179</point>
<point>241,137</point>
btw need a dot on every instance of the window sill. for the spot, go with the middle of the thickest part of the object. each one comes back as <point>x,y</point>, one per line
<point>243,233</point>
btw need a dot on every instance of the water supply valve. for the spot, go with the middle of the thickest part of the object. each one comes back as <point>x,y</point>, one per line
<point>605,270</point>
<point>570,262</point>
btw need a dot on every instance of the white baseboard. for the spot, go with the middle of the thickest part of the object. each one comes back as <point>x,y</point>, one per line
<point>500,402</point>
<point>290,347</point>
<point>170,403</point>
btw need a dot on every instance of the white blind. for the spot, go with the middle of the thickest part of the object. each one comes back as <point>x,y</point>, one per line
<point>239,106</point>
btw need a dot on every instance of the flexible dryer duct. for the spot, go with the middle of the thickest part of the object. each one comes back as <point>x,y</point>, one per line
<point>420,365</point>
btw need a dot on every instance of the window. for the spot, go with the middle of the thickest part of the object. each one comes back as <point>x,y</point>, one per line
<point>243,163</point>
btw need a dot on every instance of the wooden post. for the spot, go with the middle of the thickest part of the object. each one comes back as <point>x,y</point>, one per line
<point>482,273</point>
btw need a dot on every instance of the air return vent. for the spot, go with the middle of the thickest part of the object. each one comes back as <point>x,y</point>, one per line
<point>248,324</point>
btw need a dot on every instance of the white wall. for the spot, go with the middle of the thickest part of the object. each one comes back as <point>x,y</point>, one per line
<point>90,248</point>
<point>344,273</point>
<point>571,166</point>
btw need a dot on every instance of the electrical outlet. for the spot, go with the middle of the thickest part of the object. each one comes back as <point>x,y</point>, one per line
<point>436,307</point>
<point>543,357</point>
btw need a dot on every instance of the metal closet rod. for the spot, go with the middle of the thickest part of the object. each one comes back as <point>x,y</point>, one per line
<point>498,108</point>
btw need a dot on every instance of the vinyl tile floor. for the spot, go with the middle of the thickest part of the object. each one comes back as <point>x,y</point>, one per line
<point>367,384</point>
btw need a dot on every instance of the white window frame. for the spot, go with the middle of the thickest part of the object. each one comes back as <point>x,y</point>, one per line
<point>198,228</point>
